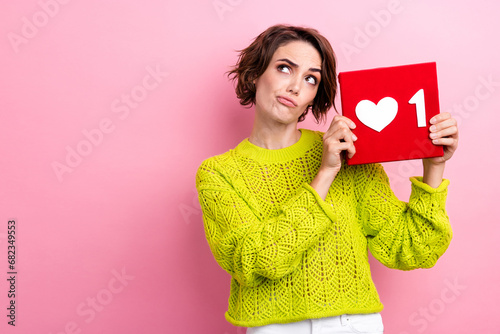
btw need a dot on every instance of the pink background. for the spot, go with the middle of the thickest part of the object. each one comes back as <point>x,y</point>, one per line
<point>129,207</point>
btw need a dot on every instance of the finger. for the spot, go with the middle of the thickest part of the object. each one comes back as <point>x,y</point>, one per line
<point>440,117</point>
<point>343,139</point>
<point>343,134</point>
<point>342,146</point>
<point>446,132</point>
<point>351,150</point>
<point>448,141</point>
<point>347,121</point>
<point>339,120</point>
<point>446,123</point>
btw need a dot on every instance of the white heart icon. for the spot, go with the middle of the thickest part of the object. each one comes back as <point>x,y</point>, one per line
<point>377,116</point>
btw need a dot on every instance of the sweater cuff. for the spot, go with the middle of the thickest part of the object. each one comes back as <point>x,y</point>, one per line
<point>328,210</point>
<point>418,182</point>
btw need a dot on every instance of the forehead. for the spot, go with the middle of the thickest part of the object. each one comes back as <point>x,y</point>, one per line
<point>300,52</point>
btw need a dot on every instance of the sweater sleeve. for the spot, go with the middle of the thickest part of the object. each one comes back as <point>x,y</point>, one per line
<point>248,246</point>
<point>404,235</point>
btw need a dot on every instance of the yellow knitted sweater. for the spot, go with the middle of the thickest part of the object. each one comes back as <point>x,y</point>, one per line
<point>294,256</point>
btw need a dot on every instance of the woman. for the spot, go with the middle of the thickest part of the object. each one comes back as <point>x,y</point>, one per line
<point>290,221</point>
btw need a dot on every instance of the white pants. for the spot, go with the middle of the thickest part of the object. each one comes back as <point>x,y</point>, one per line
<point>347,323</point>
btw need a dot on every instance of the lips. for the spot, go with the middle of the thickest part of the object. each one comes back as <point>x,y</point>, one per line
<point>287,101</point>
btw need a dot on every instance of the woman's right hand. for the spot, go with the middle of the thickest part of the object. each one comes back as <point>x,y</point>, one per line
<point>336,139</point>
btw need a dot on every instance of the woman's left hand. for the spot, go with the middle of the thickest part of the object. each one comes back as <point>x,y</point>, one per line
<point>443,131</point>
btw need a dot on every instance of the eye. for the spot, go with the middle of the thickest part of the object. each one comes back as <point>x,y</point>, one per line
<point>284,68</point>
<point>311,79</point>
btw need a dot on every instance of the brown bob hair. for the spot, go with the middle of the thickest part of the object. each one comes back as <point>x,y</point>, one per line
<point>254,60</point>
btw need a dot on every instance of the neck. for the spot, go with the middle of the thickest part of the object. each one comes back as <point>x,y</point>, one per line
<point>274,138</point>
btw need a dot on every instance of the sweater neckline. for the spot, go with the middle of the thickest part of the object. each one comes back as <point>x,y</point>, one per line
<point>306,140</point>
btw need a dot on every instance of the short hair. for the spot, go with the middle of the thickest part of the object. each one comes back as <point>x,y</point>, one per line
<point>254,60</point>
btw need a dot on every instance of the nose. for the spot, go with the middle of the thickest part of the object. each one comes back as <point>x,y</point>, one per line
<point>294,85</point>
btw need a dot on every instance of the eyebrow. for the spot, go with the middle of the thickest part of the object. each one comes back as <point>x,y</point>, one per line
<point>312,69</point>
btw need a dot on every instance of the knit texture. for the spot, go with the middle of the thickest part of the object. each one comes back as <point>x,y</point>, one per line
<point>294,256</point>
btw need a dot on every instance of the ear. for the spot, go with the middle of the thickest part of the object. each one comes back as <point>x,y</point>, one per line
<point>254,85</point>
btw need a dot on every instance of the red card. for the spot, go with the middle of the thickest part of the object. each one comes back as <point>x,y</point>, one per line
<point>391,107</point>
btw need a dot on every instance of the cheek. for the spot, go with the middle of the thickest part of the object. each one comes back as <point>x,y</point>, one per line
<point>312,95</point>
<point>261,98</point>
<point>265,83</point>
<point>264,90</point>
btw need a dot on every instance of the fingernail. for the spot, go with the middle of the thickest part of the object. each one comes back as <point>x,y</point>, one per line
<point>433,135</point>
<point>432,128</point>
<point>433,120</point>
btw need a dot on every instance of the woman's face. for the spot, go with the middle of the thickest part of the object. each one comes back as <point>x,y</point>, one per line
<point>289,84</point>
